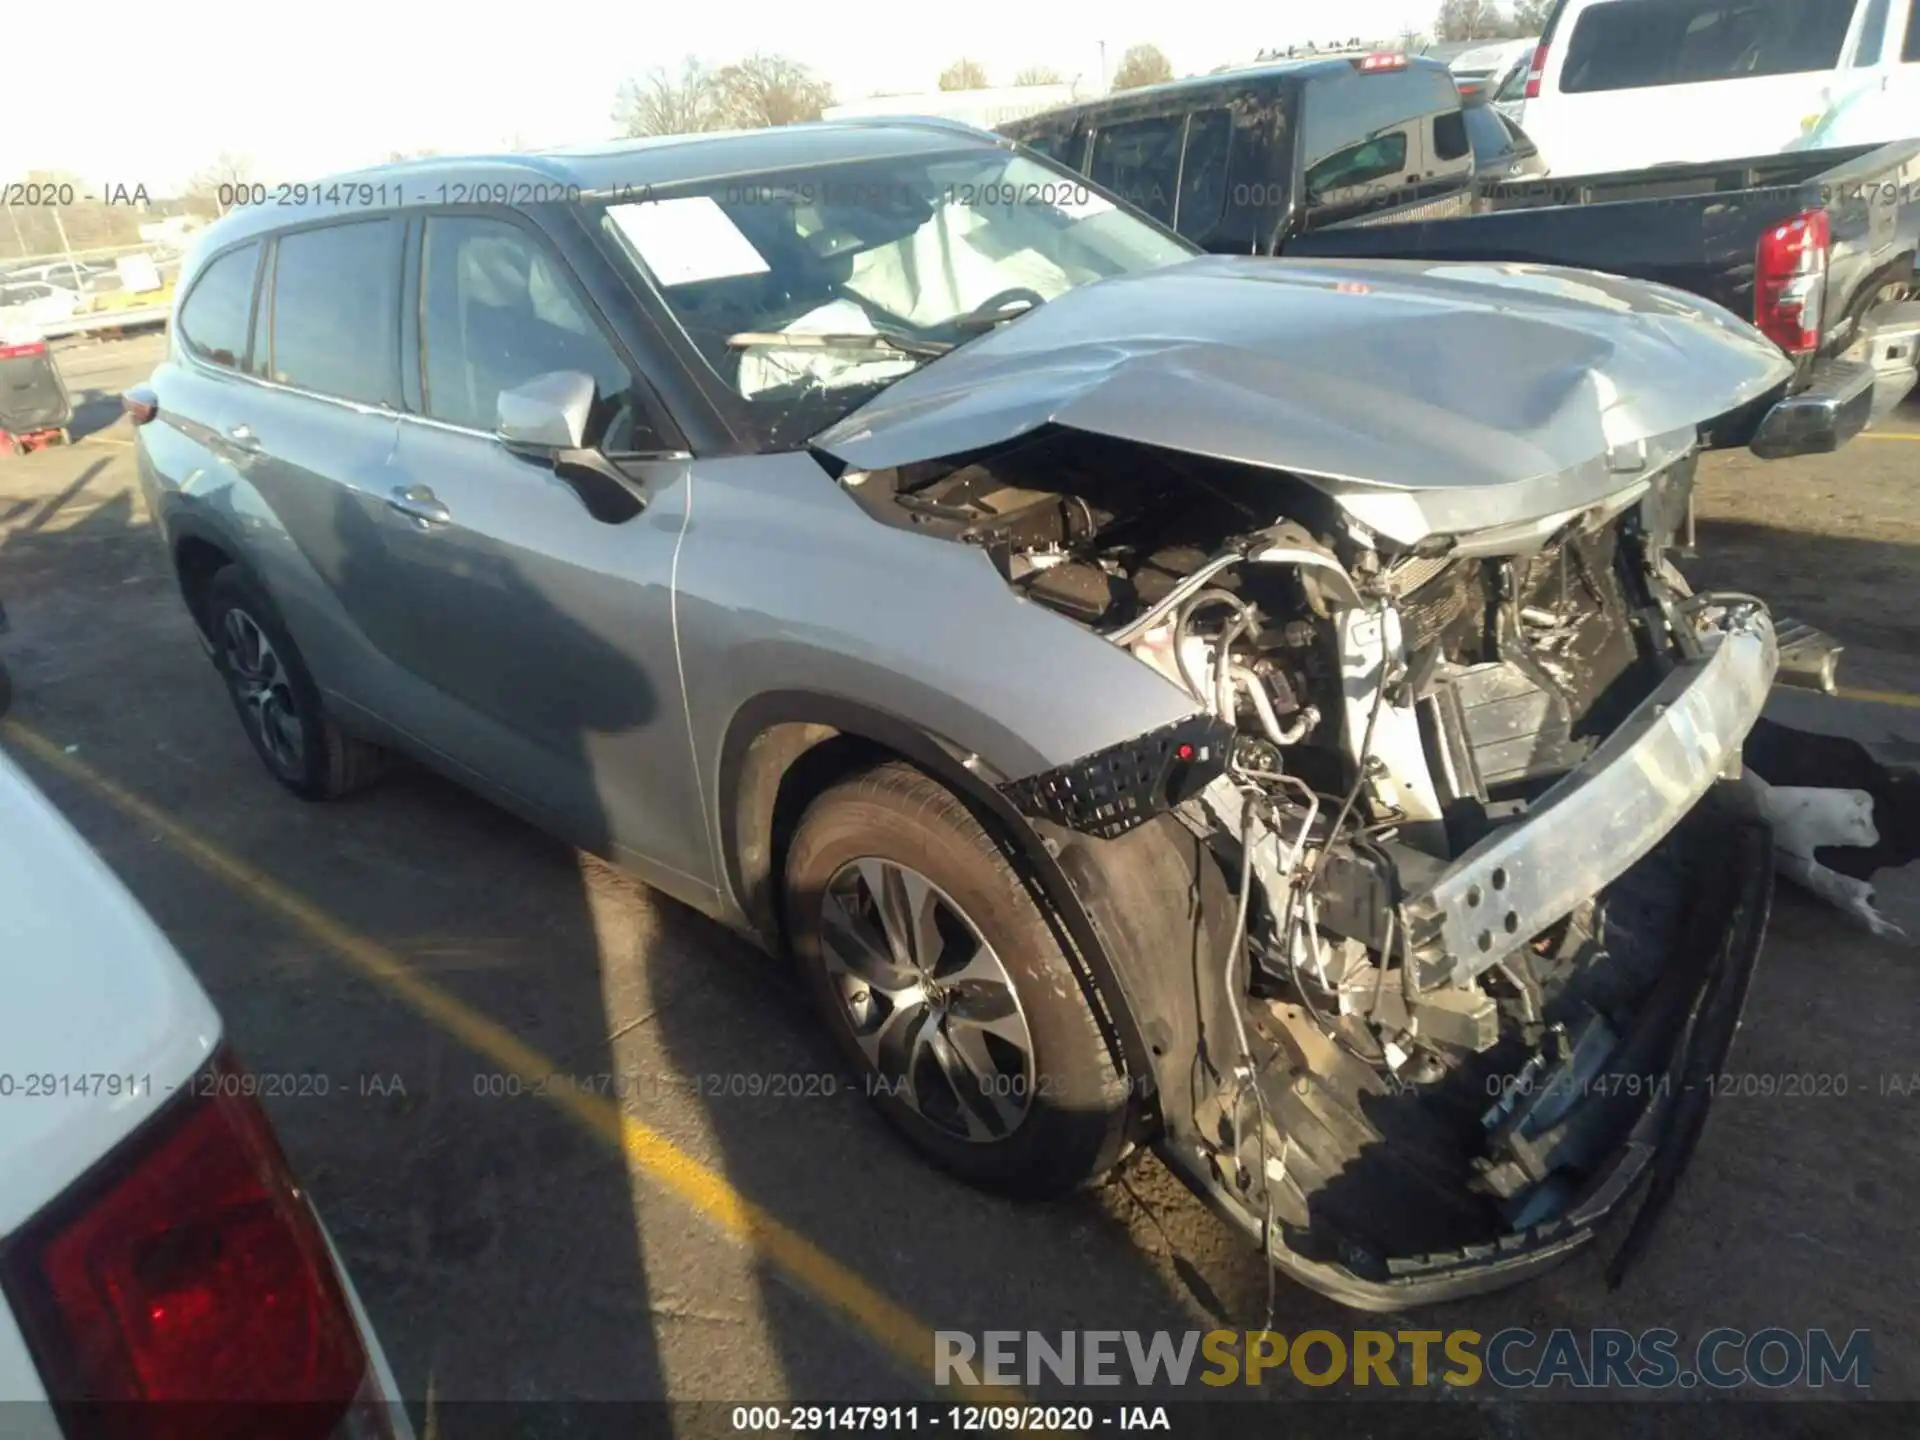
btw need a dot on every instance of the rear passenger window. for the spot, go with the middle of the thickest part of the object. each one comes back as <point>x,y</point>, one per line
<point>1627,44</point>
<point>1910,48</point>
<point>1381,111</point>
<point>1203,174</point>
<point>1140,161</point>
<point>1449,136</point>
<point>213,321</point>
<point>336,311</point>
<point>1063,147</point>
<point>1334,178</point>
<point>495,311</point>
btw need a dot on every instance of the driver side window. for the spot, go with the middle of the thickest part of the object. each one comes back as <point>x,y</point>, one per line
<point>496,310</point>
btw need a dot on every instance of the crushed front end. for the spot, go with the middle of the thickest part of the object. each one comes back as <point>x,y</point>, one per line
<point>1438,910</point>
<point>1489,888</point>
<point>1496,900</point>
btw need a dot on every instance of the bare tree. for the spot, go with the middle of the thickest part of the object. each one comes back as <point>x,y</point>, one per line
<point>216,182</point>
<point>1039,75</point>
<point>1476,20</point>
<point>1530,17</point>
<point>964,74</point>
<point>770,90</point>
<point>662,103</point>
<point>1142,65</point>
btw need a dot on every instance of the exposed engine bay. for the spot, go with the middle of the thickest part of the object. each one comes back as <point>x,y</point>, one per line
<point>1439,1044</point>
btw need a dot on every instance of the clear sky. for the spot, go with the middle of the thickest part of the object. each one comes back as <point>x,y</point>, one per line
<point>150,93</point>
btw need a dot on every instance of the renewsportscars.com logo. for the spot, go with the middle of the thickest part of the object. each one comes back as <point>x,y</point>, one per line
<point>1513,1359</point>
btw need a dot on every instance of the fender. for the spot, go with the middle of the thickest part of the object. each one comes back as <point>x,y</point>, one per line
<point>1131,908</point>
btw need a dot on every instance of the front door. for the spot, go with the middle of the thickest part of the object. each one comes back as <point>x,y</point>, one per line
<point>537,640</point>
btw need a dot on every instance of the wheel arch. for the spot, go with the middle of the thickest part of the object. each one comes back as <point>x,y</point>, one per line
<point>199,552</point>
<point>783,748</point>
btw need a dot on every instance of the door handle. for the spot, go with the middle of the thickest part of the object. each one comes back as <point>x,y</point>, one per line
<point>419,503</point>
<point>243,438</point>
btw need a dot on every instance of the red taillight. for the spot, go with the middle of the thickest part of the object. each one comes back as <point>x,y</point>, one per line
<point>1789,279</point>
<point>194,1272</point>
<point>30,347</point>
<point>1385,60</point>
<point>1536,70</point>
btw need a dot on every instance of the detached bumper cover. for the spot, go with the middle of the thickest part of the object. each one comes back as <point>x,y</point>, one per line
<point>1603,816</point>
<point>1711,973</point>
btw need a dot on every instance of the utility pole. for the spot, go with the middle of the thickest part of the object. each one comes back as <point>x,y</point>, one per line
<point>1103,67</point>
<point>19,240</point>
<point>73,267</point>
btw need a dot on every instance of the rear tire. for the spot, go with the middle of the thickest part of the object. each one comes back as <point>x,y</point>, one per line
<point>947,990</point>
<point>273,693</point>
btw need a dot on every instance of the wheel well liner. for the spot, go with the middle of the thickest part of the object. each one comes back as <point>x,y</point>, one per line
<point>197,558</point>
<point>1136,958</point>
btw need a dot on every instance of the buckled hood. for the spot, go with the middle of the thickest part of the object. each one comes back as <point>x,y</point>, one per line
<point>1427,398</point>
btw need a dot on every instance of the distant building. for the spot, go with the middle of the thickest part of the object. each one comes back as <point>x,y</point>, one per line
<point>984,108</point>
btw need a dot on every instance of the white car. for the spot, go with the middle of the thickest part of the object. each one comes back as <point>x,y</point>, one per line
<point>154,1245</point>
<point>37,302</point>
<point>1624,84</point>
<point>1485,66</point>
<point>68,274</point>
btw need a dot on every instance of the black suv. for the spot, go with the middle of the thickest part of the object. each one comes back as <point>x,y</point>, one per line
<point>1241,161</point>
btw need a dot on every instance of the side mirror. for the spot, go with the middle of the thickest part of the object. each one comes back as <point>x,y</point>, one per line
<point>544,420</point>
<point>548,412</point>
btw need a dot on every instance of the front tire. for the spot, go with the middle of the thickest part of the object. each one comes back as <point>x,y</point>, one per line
<point>947,989</point>
<point>274,695</point>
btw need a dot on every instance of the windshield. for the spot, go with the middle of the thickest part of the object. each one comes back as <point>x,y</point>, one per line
<point>880,257</point>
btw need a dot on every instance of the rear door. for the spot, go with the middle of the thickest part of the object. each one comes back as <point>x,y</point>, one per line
<point>541,638</point>
<point>1633,83</point>
<point>317,429</point>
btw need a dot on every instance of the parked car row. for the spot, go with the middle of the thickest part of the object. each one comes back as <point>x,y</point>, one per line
<point>1373,157</point>
<point>1148,693</point>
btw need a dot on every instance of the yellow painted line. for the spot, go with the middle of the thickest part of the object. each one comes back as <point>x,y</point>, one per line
<point>102,440</point>
<point>1888,435</point>
<point>900,1333</point>
<point>1881,697</point>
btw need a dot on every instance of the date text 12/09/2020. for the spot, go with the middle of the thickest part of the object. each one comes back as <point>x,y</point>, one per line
<point>931,1416</point>
<point>736,1085</point>
<point>266,1085</point>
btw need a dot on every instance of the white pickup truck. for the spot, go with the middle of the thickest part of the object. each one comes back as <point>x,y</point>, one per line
<point>1624,84</point>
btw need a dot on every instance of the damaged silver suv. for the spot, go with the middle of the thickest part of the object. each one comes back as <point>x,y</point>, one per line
<point>1240,706</point>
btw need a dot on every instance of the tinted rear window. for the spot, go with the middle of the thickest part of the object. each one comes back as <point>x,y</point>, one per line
<point>1203,177</point>
<point>213,322</point>
<point>1342,110</point>
<point>1140,159</point>
<point>336,311</point>
<point>1630,44</point>
<point>1491,138</point>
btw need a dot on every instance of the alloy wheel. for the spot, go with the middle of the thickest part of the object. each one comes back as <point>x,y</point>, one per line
<point>931,1005</point>
<point>262,686</point>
